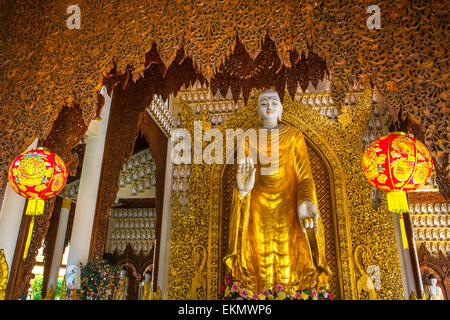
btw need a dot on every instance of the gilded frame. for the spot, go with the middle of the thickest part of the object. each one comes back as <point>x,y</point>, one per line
<point>358,224</point>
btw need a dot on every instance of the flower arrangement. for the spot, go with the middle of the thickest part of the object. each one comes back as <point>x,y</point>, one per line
<point>98,280</point>
<point>234,290</point>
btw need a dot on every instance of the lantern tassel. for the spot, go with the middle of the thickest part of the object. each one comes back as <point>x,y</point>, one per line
<point>398,203</point>
<point>35,207</point>
<point>30,233</point>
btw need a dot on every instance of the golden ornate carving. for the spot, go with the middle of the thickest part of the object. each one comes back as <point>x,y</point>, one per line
<point>198,287</point>
<point>365,282</point>
<point>50,294</point>
<point>3,274</point>
<point>357,223</point>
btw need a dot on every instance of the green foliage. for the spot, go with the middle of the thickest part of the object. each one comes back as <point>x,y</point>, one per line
<point>36,288</point>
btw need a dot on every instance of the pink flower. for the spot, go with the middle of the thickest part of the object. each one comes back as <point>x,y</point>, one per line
<point>279,287</point>
<point>239,298</point>
<point>298,296</point>
<point>235,287</point>
<point>314,292</point>
<point>330,296</point>
<point>222,288</point>
<point>227,278</point>
<point>243,293</point>
<point>265,292</point>
<point>255,296</point>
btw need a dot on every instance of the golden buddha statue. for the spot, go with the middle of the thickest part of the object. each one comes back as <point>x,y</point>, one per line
<point>147,287</point>
<point>276,234</point>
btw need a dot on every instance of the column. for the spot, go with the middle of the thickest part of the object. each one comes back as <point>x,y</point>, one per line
<point>166,223</point>
<point>11,213</point>
<point>58,250</point>
<point>405,260</point>
<point>87,193</point>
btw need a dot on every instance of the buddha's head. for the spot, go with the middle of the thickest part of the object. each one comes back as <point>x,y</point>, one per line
<point>433,279</point>
<point>269,108</point>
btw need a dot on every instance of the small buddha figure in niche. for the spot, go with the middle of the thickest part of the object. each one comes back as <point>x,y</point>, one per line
<point>276,234</point>
<point>436,221</point>
<point>417,208</point>
<point>437,208</point>
<point>422,221</point>
<point>429,222</point>
<point>424,208</point>
<point>430,208</point>
<point>420,234</point>
<point>146,286</point>
<point>432,291</point>
<point>442,221</point>
<point>147,224</point>
<point>435,235</point>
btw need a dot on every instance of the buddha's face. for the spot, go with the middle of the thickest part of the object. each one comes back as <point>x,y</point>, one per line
<point>270,107</point>
<point>433,281</point>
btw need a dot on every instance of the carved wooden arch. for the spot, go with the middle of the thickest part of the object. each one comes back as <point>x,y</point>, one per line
<point>335,173</point>
<point>437,265</point>
<point>137,262</point>
<point>324,181</point>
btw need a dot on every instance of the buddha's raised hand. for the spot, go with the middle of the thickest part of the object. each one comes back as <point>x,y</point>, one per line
<point>308,214</point>
<point>245,176</point>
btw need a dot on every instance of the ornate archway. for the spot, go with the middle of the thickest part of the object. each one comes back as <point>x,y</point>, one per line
<point>340,144</point>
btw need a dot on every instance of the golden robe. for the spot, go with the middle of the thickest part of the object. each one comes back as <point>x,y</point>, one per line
<point>267,245</point>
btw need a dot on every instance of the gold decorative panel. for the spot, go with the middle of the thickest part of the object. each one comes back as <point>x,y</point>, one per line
<point>356,222</point>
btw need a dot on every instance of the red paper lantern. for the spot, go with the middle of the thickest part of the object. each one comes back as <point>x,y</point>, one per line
<point>397,164</point>
<point>36,175</point>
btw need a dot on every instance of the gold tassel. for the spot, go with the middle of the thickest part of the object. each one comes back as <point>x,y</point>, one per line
<point>398,203</point>
<point>35,207</point>
<point>30,233</point>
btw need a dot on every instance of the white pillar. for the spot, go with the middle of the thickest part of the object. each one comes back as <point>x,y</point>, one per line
<point>405,260</point>
<point>11,214</point>
<point>87,193</point>
<point>166,226</point>
<point>58,250</point>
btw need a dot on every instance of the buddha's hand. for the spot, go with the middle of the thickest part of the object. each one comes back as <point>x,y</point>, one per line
<point>308,214</point>
<point>245,176</point>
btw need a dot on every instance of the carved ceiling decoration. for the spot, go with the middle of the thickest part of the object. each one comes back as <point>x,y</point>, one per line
<point>45,65</point>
